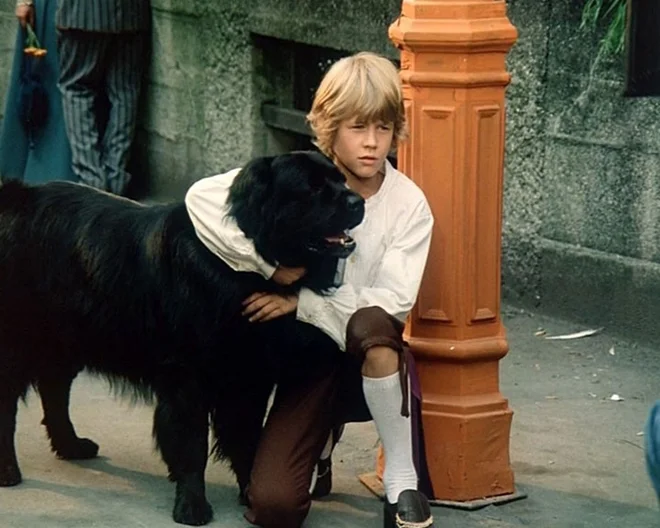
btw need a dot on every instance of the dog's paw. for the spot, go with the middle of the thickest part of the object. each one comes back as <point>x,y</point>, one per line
<point>193,512</point>
<point>10,475</point>
<point>79,449</point>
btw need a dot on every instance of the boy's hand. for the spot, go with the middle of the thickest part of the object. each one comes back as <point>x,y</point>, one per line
<point>261,307</point>
<point>25,14</point>
<point>287,276</point>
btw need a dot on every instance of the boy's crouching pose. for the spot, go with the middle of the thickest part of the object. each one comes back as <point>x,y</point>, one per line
<point>357,118</point>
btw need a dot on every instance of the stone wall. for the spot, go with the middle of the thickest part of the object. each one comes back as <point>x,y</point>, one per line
<point>212,69</point>
<point>582,182</point>
<point>207,78</point>
<point>7,41</point>
<point>581,194</point>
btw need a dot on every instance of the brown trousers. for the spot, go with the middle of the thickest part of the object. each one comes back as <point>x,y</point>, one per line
<point>302,416</point>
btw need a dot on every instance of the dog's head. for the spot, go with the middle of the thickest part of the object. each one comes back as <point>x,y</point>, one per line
<point>297,210</point>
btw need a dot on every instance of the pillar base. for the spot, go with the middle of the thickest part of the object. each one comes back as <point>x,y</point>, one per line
<point>467,430</point>
<point>373,483</point>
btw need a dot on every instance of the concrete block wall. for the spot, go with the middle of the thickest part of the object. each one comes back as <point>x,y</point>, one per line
<point>582,178</point>
<point>7,42</point>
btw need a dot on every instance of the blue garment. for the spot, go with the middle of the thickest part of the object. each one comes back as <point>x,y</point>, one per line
<point>48,156</point>
<point>652,436</point>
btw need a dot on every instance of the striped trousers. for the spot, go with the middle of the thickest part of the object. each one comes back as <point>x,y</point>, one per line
<point>100,70</point>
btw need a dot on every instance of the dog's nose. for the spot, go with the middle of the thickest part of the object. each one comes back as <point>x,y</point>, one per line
<point>354,201</point>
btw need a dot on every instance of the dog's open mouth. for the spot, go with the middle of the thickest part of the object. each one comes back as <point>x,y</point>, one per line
<point>340,245</point>
<point>344,239</point>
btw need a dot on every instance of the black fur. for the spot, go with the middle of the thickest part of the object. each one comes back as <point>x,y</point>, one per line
<point>91,281</point>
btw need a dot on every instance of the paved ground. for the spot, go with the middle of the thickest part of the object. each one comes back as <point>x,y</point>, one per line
<point>574,451</point>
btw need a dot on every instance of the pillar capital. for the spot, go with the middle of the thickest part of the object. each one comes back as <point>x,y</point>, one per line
<point>453,25</point>
<point>471,37</point>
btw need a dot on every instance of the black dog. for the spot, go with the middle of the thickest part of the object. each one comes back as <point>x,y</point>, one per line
<point>91,281</point>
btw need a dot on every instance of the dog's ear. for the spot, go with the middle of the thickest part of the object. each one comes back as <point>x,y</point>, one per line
<point>249,200</point>
<point>257,171</point>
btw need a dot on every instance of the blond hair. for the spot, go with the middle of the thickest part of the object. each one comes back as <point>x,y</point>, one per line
<point>364,86</point>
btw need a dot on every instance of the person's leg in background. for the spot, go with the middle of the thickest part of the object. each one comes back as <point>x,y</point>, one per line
<point>126,65</point>
<point>652,447</point>
<point>81,56</point>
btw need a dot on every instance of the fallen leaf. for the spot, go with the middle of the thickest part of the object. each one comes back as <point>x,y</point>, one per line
<point>641,433</point>
<point>577,335</point>
<point>612,353</point>
<point>616,398</point>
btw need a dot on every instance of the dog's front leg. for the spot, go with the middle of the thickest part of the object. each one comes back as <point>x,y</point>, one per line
<point>181,432</point>
<point>10,474</point>
<point>237,427</point>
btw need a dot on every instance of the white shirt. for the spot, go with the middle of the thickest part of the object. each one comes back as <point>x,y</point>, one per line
<point>385,269</point>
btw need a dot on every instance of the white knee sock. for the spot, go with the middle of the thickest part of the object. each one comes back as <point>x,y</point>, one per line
<point>383,396</point>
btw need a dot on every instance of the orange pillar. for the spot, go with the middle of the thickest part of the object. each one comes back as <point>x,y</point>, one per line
<point>454,75</point>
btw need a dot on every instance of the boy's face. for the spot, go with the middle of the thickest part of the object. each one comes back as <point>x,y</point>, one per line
<point>362,147</point>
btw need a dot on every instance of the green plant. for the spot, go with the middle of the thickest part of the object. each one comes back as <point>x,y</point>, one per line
<point>613,14</point>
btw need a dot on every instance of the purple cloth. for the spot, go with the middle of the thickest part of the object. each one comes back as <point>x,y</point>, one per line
<point>419,449</point>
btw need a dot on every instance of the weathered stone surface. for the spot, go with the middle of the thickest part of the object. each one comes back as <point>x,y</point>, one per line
<point>8,28</point>
<point>598,233</point>
<point>525,151</point>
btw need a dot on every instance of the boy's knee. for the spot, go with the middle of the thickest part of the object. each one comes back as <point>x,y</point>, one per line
<point>278,505</point>
<point>373,327</point>
<point>365,320</point>
<point>380,361</point>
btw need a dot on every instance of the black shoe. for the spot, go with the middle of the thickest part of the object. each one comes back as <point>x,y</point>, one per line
<point>411,511</point>
<point>322,486</point>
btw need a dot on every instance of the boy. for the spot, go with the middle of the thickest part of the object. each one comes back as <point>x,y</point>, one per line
<point>357,117</point>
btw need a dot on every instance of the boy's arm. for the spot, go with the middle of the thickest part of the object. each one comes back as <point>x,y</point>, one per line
<point>395,289</point>
<point>206,202</point>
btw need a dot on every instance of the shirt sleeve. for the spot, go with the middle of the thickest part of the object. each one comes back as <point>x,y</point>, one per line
<point>394,290</point>
<point>206,202</point>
